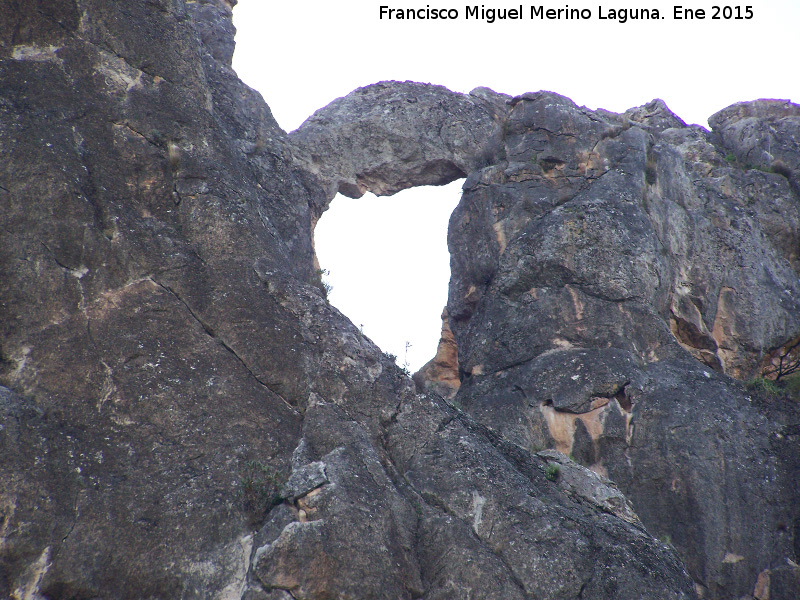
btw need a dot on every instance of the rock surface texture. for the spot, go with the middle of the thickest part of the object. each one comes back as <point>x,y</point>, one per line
<point>183,414</point>
<point>612,278</point>
<point>394,135</point>
<point>440,374</point>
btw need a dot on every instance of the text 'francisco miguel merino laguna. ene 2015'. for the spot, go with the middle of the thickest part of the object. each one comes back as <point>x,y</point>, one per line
<point>541,12</point>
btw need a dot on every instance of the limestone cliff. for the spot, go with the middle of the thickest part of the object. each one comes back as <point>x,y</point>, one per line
<point>185,416</point>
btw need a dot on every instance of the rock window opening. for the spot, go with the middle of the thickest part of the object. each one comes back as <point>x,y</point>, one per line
<point>388,267</point>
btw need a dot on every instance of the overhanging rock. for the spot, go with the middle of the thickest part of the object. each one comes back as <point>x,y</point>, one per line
<point>392,135</point>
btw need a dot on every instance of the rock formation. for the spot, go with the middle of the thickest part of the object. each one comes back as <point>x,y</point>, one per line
<point>611,246</point>
<point>185,416</point>
<point>372,140</point>
<point>611,275</point>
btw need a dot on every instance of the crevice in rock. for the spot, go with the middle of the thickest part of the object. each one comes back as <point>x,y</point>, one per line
<point>622,398</point>
<point>603,297</point>
<point>75,518</point>
<point>128,126</point>
<point>650,167</point>
<point>211,333</point>
<point>110,51</point>
<point>406,491</point>
<point>549,163</point>
<point>505,367</point>
<point>511,572</point>
<point>88,188</point>
<point>506,450</point>
<point>52,254</point>
<point>437,504</point>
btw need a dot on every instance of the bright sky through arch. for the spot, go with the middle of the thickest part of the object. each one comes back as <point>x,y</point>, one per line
<point>301,56</point>
<point>390,267</point>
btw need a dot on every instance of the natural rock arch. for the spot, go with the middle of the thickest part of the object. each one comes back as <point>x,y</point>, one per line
<point>390,136</point>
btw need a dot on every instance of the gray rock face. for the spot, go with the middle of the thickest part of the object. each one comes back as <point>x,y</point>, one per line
<point>587,268</point>
<point>763,135</point>
<point>595,213</point>
<point>590,259</point>
<point>185,416</point>
<point>138,398</point>
<point>212,22</point>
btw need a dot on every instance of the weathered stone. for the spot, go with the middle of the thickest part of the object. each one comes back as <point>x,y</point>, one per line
<point>546,233</point>
<point>183,415</point>
<point>455,564</point>
<point>440,374</point>
<point>353,536</point>
<point>304,480</point>
<point>763,135</point>
<point>553,542</point>
<point>390,136</point>
<point>655,116</point>
<point>780,583</point>
<point>584,267</point>
<point>213,21</point>
<point>126,196</point>
<point>588,485</point>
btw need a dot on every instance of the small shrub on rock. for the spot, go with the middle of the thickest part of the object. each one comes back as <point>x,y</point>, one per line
<point>552,471</point>
<point>257,489</point>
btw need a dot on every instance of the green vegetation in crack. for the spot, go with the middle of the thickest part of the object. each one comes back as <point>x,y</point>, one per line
<point>763,386</point>
<point>788,387</point>
<point>257,489</point>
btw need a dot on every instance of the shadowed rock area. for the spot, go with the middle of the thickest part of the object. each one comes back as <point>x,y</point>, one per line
<point>184,415</point>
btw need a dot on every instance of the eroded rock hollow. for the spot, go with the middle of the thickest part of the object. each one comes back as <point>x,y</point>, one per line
<point>184,415</point>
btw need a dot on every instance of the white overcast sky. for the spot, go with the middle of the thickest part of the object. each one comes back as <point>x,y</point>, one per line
<point>388,256</point>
